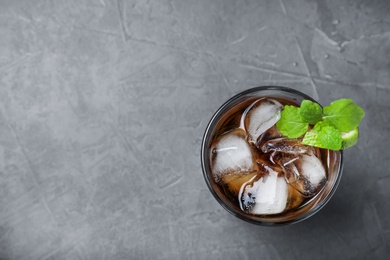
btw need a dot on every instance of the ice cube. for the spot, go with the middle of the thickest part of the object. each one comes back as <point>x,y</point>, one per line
<point>260,116</point>
<point>265,163</point>
<point>285,145</point>
<point>286,162</point>
<point>304,172</point>
<point>312,168</point>
<point>231,154</point>
<point>271,133</point>
<point>234,182</point>
<point>268,195</point>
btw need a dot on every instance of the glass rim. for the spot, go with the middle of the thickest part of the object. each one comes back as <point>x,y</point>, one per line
<point>242,215</point>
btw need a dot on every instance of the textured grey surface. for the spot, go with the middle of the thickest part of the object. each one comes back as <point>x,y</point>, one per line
<point>103,105</point>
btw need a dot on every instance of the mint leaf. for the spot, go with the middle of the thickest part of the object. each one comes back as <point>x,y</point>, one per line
<point>291,123</point>
<point>323,135</point>
<point>343,114</point>
<point>311,112</point>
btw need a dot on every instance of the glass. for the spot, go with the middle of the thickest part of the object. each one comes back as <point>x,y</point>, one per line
<point>334,161</point>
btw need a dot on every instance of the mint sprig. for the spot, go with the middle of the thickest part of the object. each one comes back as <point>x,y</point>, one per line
<point>335,126</point>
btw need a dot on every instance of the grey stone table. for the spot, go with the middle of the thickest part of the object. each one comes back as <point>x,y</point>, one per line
<point>103,105</point>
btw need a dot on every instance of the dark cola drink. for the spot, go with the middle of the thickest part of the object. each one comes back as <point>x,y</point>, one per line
<point>258,174</point>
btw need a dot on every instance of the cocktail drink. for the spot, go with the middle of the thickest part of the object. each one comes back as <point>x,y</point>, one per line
<point>257,173</point>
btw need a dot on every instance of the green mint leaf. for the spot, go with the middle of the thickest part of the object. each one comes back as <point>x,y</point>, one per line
<point>343,114</point>
<point>324,136</point>
<point>291,123</point>
<point>311,112</point>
